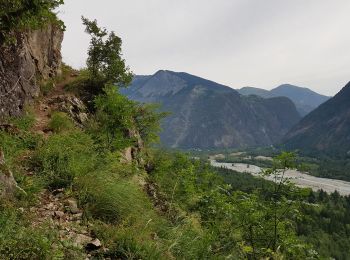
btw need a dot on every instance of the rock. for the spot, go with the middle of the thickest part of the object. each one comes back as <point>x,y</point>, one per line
<point>131,154</point>
<point>127,155</point>
<point>81,240</point>
<point>34,54</point>
<point>71,105</point>
<point>50,206</point>
<point>59,214</point>
<point>72,206</point>
<point>93,245</point>
<point>77,216</point>
<point>8,184</point>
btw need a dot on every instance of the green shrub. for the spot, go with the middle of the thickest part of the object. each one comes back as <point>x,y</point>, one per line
<point>64,157</point>
<point>126,247</point>
<point>108,197</point>
<point>126,243</point>
<point>60,122</point>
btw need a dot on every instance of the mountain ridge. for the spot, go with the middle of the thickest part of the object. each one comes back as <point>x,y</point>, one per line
<point>304,99</point>
<point>206,114</point>
<point>326,129</point>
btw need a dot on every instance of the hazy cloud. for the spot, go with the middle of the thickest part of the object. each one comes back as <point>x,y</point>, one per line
<point>235,42</point>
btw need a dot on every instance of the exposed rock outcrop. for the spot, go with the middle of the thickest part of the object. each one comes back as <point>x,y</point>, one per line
<point>8,184</point>
<point>71,105</point>
<point>133,153</point>
<point>35,55</point>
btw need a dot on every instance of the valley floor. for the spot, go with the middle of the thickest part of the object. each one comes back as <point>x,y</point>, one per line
<point>299,178</point>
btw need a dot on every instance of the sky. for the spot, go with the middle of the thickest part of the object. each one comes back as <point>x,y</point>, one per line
<point>238,43</point>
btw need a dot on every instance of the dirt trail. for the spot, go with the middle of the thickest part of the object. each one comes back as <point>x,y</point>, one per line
<point>62,214</point>
<point>42,109</point>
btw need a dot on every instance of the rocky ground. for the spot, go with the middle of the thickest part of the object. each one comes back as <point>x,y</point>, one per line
<point>57,209</point>
<point>61,213</point>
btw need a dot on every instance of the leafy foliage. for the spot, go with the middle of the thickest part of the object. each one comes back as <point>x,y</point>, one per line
<point>325,222</point>
<point>24,14</point>
<point>120,121</point>
<point>60,122</point>
<point>105,64</point>
<point>254,226</point>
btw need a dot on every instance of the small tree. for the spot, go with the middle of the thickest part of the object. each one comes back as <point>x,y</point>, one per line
<point>117,116</point>
<point>266,217</point>
<point>105,63</point>
<point>114,116</point>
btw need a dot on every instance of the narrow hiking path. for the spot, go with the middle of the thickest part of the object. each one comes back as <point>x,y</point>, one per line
<point>56,209</point>
<point>42,109</point>
<point>60,212</point>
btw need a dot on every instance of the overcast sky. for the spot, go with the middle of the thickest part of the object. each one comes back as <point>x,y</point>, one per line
<point>259,43</point>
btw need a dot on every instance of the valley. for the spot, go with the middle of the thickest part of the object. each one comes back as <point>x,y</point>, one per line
<point>300,179</point>
<point>106,162</point>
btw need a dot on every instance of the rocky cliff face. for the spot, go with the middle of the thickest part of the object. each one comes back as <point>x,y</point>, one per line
<point>35,55</point>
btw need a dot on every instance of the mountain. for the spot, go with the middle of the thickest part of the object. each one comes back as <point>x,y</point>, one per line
<point>304,99</point>
<point>206,114</point>
<point>326,129</point>
<point>246,91</point>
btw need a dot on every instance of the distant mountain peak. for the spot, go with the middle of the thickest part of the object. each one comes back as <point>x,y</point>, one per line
<point>304,99</point>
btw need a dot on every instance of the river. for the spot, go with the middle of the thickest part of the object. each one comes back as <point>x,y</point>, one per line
<point>298,178</point>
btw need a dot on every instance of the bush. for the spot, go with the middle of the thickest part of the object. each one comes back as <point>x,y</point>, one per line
<point>123,244</point>
<point>64,157</point>
<point>108,197</point>
<point>60,122</point>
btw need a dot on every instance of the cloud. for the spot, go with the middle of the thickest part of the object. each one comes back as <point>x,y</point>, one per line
<point>234,42</point>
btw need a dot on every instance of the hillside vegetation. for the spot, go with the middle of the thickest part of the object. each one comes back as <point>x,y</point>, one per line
<point>83,180</point>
